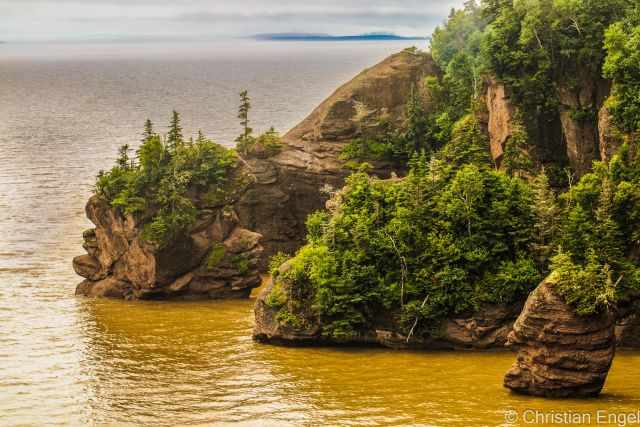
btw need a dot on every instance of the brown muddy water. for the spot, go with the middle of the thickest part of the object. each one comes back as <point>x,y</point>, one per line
<point>64,110</point>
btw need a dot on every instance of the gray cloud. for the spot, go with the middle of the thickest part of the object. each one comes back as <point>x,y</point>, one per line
<point>86,19</point>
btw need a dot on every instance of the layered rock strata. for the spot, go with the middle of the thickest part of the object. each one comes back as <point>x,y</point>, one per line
<point>217,258</point>
<point>560,354</point>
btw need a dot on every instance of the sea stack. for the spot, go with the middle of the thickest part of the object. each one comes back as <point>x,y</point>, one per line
<point>217,258</point>
<point>560,353</point>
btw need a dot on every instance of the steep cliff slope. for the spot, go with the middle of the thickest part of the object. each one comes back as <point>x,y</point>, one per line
<point>289,186</point>
<point>219,256</point>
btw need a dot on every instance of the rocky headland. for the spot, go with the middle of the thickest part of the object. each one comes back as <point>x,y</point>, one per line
<point>297,180</point>
<point>439,241</point>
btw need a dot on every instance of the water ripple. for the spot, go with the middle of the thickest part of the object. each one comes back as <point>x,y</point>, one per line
<point>68,361</point>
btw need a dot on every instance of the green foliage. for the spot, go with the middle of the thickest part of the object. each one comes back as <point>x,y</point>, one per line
<point>316,225</point>
<point>285,317</point>
<point>243,114</point>
<point>531,44</point>
<point>468,144</point>
<point>396,143</point>
<point>277,298</point>
<point>266,145</point>
<point>435,243</point>
<point>517,158</point>
<point>510,282</point>
<point>241,263</point>
<point>174,137</point>
<point>600,234</point>
<point>276,261</point>
<point>216,254</point>
<point>622,43</point>
<point>456,49</point>
<point>548,220</point>
<point>589,288</point>
<point>159,187</point>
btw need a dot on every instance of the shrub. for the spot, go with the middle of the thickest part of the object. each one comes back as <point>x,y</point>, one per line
<point>276,298</point>
<point>599,235</point>
<point>216,254</point>
<point>589,288</point>
<point>276,261</point>
<point>266,145</point>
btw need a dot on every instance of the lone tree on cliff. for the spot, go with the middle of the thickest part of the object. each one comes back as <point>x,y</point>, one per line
<point>124,161</point>
<point>243,115</point>
<point>174,137</point>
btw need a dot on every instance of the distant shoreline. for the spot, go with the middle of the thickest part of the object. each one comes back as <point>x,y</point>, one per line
<point>328,37</point>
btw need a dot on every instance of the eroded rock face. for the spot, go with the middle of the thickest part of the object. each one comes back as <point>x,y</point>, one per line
<point>295,323</point>
<point>500,119</point>
<point>217,259</point>
<point>609,137</point>
<point>288,187</point>
<point>560,353</point>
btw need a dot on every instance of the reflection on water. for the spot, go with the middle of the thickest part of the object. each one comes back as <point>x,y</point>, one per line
<point>73,361</point>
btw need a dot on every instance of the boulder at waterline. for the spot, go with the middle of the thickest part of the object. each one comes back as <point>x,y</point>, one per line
<point>560,354</point>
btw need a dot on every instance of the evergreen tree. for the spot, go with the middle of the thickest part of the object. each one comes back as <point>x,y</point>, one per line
<point>124,161</point>
<point>243,114</point>
<point>547,223</point>
<point>416,126</point>
<point>200,139</point>
<point>148,131</point>
<point>607,234</point>
<point>174,137</point>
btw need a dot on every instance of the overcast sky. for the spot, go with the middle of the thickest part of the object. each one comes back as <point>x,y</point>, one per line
<point>205,19</point>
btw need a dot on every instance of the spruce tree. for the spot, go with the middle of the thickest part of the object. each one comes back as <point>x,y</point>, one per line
<point>243,114</point>
<point>148,131</point>
<point>415,125</point>
<point>607,238</point>
<point>201,137</point>
<point>547,223</point>
<point>124,161</point>
<point>174,137</point>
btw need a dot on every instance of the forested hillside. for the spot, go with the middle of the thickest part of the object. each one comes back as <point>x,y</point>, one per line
<point>481,219</point>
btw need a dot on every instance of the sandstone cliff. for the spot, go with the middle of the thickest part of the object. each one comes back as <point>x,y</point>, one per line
<point>499,119</point>
<point>610,138</point>
<point>216,259</point>
<point>289,185</point>
<point>560,353</point>
<point>581,133</point>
